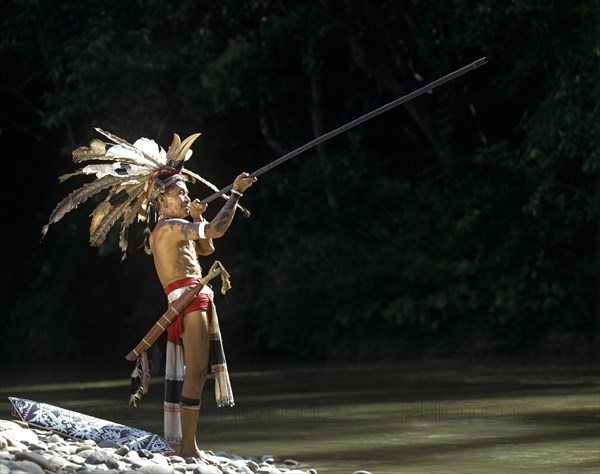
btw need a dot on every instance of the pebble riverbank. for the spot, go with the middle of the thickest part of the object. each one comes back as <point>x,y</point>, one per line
<point>28,450</point>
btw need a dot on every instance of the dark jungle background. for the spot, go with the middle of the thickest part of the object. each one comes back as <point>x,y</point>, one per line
<point>463,223</point>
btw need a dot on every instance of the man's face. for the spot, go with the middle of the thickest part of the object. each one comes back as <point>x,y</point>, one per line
<point>176,202</point>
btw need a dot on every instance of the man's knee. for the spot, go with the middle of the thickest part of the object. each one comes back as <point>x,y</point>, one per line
<point>196,377</point>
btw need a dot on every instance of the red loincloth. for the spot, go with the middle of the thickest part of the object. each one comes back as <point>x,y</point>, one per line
<point>201,302</point>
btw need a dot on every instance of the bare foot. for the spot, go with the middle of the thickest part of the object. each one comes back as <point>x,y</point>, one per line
<point>198,456</point>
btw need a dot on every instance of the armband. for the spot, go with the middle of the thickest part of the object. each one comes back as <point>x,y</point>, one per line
<point>201,227</point>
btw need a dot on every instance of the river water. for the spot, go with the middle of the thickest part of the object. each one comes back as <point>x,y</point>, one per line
<point>435,416</point>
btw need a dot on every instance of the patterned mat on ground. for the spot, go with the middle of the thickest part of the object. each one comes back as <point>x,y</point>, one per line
<point>79,426</point>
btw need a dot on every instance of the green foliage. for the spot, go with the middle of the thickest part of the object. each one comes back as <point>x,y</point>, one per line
<point>464,222</point>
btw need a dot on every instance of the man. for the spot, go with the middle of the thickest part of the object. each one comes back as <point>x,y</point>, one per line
<point>141,177</point>
<point>176,243</point>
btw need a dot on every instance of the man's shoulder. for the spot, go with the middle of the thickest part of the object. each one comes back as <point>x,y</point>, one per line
<point>165,225</point>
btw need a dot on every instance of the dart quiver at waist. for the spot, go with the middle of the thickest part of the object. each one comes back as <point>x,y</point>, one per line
<point>176,308</point>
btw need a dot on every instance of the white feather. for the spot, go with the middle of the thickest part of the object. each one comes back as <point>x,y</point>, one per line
<point>117,152</point>
<point>123,170</point>
<point>150,147</point>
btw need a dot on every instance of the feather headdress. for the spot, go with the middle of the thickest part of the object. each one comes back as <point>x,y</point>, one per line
<point>128,171</point>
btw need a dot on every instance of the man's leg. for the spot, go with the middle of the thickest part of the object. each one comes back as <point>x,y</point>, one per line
<point>196,342</point>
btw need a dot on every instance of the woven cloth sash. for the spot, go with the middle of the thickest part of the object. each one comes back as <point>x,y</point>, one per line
<point>218,362</point>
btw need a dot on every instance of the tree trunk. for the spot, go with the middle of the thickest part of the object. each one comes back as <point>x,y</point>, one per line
<point>317,125</point>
